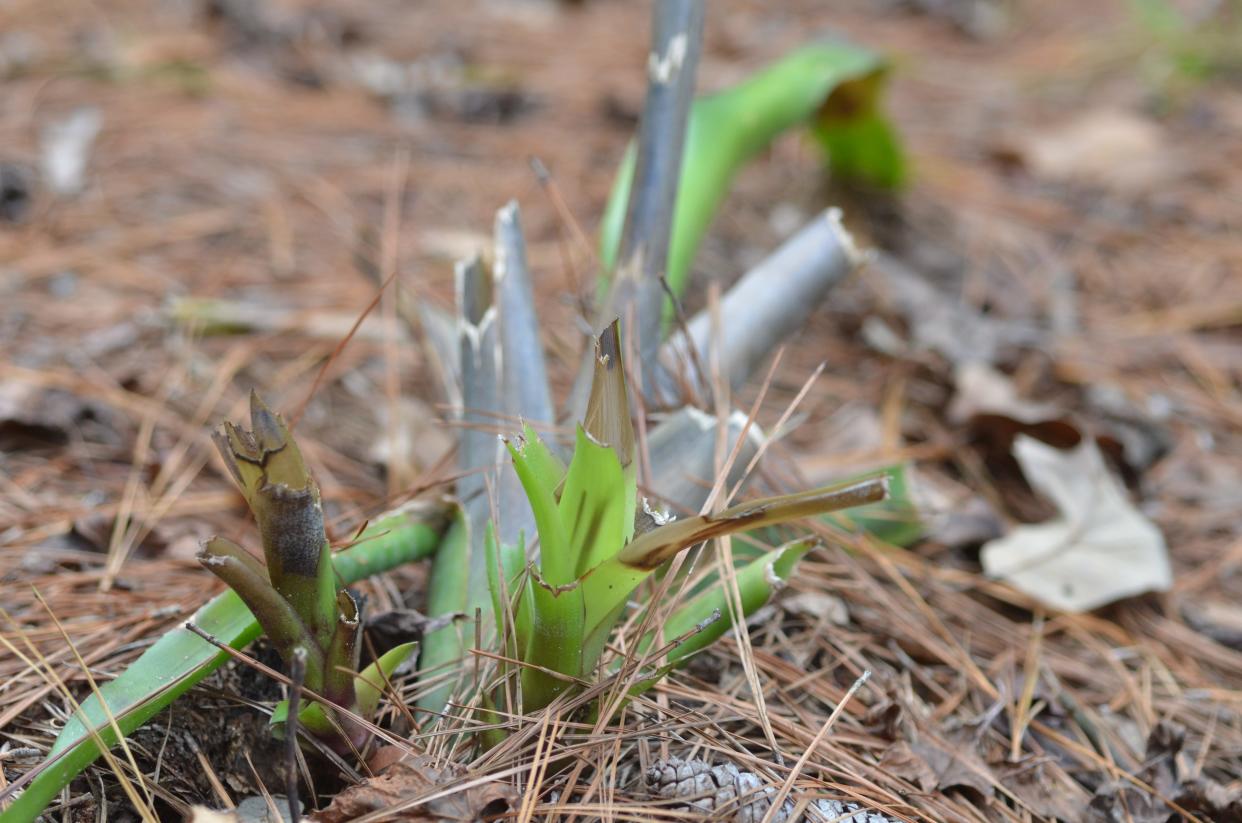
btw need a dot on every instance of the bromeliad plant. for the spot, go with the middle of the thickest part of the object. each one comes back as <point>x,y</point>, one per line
<point>313,621</point>
<point>665,196</point>
<point>598,544</point>
<point>593,556</point>
<point>181,658</point>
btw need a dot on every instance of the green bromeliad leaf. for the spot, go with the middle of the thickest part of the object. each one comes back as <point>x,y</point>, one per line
<point>535,466</point>
<point>556,616</point>
<point>441,649</point>
<point>592,561</point>
<point>550,609</point>
<point>833,87</point>
<point>894,520</point>
<point>597,504</point>
<point>371,681</point>
<point>368,686</point>
<point>710,613</point>
<point>757,581</point>
<point>508,563</point>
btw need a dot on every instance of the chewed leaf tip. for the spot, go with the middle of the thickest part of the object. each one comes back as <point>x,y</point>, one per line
<point>608,345</point>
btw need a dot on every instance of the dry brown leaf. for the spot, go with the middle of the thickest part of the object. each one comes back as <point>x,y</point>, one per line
<point>938,321</point>
<point>953,514</point>
<point>1101,549</point>
<point>989,403</point>
<point>1117,149</point>
<point>1165,772</point>
<point>390,629</point>
<point>410,779</point>
<point>32,417</point>
<point>902,761</point>
<point>981,389</point>
<point>1211,801</point>
<point>1047,791</point>
<point>955,765</point>
<point>1220,620</point>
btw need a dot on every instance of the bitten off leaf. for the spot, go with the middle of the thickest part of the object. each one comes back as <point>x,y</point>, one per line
<point>1100,550</point>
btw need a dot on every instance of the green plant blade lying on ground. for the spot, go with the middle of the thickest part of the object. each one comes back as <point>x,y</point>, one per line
<point>832,87</point>
<point>709,611</point>
<point>181,658</point>
<point>447,595</point>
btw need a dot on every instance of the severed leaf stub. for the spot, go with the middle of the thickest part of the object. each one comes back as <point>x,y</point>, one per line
<point>268,466</point>
<point>267,455</point>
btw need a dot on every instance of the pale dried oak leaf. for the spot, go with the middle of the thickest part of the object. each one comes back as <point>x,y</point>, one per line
<point>1100,550</point>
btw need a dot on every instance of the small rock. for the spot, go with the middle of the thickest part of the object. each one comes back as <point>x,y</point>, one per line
<point>819,606</point>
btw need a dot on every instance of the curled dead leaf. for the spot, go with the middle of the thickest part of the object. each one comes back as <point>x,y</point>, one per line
<point>33,417</point>
<point>900,760</point>
<point>955,765</point>
<point>1168,773</point>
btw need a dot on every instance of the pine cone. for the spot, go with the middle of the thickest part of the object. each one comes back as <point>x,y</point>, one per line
<point>730,794</point>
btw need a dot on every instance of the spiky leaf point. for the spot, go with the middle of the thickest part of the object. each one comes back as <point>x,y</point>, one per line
<point>601,490</point>
<point>607,417</point>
